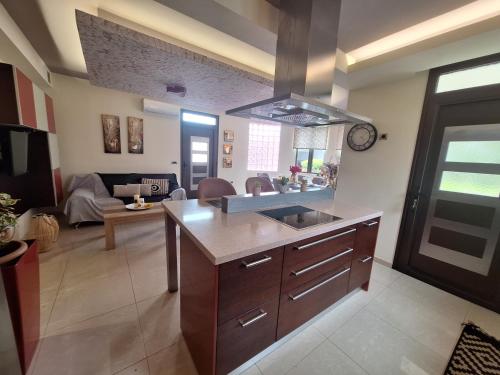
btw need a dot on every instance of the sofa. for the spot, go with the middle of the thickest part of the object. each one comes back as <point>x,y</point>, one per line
<point>90,193</point>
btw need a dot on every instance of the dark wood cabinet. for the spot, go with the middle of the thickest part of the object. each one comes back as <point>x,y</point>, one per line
<point>364,249</point>
<point>233,311</point>
<point>247,283</point>
<point>244,336</point>
<point>306,301</point>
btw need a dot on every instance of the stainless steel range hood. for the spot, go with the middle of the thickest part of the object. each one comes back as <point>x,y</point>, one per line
<point>305,68</point>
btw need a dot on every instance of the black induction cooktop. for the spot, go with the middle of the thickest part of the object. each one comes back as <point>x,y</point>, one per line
<point>299,217</point>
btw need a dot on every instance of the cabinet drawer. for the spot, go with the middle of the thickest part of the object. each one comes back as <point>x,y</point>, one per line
<point>361,269</point>
<point>311,268</point>
<point>249,282</point>
<point>301,304</point>
<point>364,249</point>
<point>325,245</point>
<point>241,338</point>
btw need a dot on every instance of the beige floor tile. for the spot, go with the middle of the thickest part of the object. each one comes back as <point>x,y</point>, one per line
<point>383,274</point>
<point>160,324</point>
<point>337,316</point>
<point>432,297</point>
<point>102,345</point>
<point>281,360</point>
<point>252,370</point>
<point>174,360</point>
<point>47,300</point>
<point>51,274</point>
<point>327,359</point>
<point>486,319</point>
<point>90,298</point>
<point>148,280</point>
<point>436,330</point>
<point>363,297</point>
<point>380,348</point>
<point>140,368</point>
<point>93,265</point>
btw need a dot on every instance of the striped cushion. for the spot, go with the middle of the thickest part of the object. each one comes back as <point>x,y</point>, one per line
<point>158,186</point>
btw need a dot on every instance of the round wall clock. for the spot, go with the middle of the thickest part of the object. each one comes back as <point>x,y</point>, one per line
<point>361,137</point>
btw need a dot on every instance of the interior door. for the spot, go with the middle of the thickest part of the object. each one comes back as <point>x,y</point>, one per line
<point>450,234</point>
<point>199,135</point>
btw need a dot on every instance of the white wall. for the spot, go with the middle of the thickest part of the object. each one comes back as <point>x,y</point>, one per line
<point>78,109</point>
<point>378,178</point>
<point>79,105</point>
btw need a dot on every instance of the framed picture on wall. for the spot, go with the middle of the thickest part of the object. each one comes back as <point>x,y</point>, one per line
<point>227,162</point>
<point>111,134</point>
<point>227,149</point>
<point>228,136</point>
<point>135,135</point>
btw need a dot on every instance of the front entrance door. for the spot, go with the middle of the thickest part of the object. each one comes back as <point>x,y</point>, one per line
<point>450,235</point>
<point>199,135</point>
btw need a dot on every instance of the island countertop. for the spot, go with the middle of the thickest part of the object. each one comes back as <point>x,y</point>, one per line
<point>226,237</point>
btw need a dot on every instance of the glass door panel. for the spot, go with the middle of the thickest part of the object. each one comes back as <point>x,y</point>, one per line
<point>462,226</point>
<point>199,165</point>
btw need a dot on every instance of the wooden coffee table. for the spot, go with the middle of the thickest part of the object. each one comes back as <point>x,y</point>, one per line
<point>114,215</point>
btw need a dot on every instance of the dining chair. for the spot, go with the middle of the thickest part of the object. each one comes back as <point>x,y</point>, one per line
<point>214,187</point>
<point>265,184</point>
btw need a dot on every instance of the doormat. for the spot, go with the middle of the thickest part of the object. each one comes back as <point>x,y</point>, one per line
<point>476,353</point>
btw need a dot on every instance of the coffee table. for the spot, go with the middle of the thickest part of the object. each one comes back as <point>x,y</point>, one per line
<point>114,215</point>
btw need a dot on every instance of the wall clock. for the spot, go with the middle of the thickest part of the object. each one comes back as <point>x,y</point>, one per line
<point>361,137</point>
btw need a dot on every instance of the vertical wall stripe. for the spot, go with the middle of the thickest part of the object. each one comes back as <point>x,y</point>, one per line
<point>26,100</point>
<point>56,174</point>
<point>40,109</point>
<point>49,105</point>
<point>54,151</point>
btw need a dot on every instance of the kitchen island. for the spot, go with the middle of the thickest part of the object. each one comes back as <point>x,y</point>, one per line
<point>247,280</point>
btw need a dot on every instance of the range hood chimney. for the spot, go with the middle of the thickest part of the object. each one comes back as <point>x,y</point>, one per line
<point>305,68</point>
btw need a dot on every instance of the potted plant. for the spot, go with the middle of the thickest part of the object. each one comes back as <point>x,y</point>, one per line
<point>9,249</point>
<point>257,188</point>
<point>330,171</point>
<point>294,170</point>
<point>283,184</point>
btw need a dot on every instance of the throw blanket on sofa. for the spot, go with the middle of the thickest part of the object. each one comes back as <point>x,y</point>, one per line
<point>89,196</point>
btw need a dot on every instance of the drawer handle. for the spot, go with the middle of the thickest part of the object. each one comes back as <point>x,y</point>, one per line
<point>364,260</point>
<point>265,259</point>
<point>303,247</point>
<point>319,285</point>
<point>370,223</point>
<point>253,320</point>
<point>319,264</point>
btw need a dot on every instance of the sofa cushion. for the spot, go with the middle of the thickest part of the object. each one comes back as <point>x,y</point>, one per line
<point>159,186</point>
<point>121,191</point>
<point>110,179</point>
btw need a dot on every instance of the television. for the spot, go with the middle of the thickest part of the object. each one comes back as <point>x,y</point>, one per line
<point>14,145</point>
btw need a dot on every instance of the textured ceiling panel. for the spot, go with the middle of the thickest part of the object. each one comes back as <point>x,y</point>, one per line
<point>122,59</point>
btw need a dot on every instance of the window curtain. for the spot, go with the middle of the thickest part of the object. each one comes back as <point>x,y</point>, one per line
<point>316,138</point>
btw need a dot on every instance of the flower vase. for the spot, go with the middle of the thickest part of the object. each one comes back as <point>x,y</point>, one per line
<point>293,178</point>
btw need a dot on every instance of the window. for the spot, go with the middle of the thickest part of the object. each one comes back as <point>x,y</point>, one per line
<point>473,77</point>
<point>198,118</point>
<point>263,147</point>
<point>310,159</point>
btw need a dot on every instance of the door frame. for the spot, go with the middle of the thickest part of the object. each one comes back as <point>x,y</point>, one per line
<point>432,104</point>
<point>213,153</point>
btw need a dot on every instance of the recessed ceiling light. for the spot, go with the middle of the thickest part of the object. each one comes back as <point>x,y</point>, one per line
<point>469,14</point>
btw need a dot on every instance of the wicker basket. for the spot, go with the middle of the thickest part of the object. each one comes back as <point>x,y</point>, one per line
<point>45,229</point>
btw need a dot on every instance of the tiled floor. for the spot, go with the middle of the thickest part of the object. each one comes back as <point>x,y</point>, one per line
<point>107,312</point>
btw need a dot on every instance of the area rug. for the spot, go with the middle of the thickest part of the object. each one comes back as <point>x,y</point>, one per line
<point>476,353</point>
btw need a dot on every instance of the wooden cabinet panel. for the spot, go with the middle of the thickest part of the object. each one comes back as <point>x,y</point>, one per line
<point>249,282</point>
<point>325,245</point>
<point>22,287</point>
<point>364,249</point>
<point>309,269</point>
<point>301,304</point>
<point>240,338</point>
<point>26,99</point>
